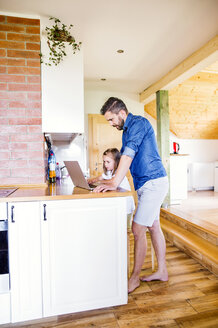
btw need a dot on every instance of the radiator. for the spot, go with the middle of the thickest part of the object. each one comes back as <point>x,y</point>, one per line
<point>202,176</point>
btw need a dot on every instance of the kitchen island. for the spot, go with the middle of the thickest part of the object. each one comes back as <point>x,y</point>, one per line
<point>67,251</point>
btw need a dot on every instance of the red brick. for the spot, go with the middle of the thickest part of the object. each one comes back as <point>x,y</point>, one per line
<point>2,53</point>
<point>36,163</point>
<point>3,86</point>
<point>3,37</point>
<point>4,138</point>
<point>33,63</point>
<point>23,37</point>
<point>12,78</point>
<point>32,46</point>
<point>36,171</point>
<point>4,155</point>
<point>13,95</point>
<point>13,129</point>
<point>24,70</point>
<point>20,172</point>
<point>35,105</point>
<point>4,146</point>
<point>18,163</point>
<point>34,129</point>
<point>27,155</point>
<point>18,104</point>
<point>36,154</point>
<point>19,155</point>
<point>4,163</point>
<point>4,121</point>
<point>24,87</point>
<point>33,79</point>
<point>11,28</point>
<point>33,30</point>
<point>22,54</point>
<point>18,146</point>
<point>2,18</point>
<point>14,112</point>
<point>3,112</point>
<point>4,172</point>
<point>34,95</point>
<point>3,103</point>
<point>12,62</point>
<point>25,121</point>
<point>37,180</point>
<point>13,181</point>
<point>2,69</point>
<point>36,146</point>
<point>33,113</point>
<point>23,21</point>
<point>27,138</point>
<point>12,45</point>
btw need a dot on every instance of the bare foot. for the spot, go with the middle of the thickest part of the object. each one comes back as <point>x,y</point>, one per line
<point>162,276</point>
<point>133,284</point>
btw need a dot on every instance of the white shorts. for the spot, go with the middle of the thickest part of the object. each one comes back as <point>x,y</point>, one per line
<point>150,198</point>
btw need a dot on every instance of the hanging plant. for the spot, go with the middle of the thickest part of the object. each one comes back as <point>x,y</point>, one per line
<point>57,36</point>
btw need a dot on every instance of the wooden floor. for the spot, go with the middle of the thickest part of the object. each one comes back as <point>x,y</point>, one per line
<point>188,299</point>
<point>201,209</point>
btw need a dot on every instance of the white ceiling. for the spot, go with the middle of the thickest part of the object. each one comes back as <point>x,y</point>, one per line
<point>156,35</point>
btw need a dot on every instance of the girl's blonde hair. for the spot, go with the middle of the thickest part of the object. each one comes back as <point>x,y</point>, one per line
<point>115,154</point>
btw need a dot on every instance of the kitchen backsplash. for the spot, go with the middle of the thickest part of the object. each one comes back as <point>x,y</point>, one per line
<point>71,151</point>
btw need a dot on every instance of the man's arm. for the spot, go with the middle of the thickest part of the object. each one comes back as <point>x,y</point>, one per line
<point>112,184</point>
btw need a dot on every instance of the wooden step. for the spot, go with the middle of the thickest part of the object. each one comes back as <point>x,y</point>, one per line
<point>200,249</point>
<point>180,219</point>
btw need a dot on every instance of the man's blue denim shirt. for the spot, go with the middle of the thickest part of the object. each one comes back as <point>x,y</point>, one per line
<point>139,142</point>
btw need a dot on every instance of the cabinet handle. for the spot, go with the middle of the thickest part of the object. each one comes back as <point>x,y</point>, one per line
<point>12,214</point>
<point>45,219</point>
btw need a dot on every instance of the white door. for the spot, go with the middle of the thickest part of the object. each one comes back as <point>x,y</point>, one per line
<point>84,254</point>
<point>25,260</point>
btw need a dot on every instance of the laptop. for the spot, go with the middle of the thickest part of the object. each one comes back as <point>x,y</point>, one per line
<point>77,176</point>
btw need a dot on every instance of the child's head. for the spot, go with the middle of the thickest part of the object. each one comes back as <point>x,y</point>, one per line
<point>111,159</point>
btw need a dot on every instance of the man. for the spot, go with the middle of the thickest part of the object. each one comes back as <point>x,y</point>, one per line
<point>139,153</point>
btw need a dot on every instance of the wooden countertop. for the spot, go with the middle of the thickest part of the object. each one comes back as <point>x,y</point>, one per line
<point>62,189</point>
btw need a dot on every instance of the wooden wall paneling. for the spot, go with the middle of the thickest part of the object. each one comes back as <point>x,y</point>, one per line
<point>193,106</point>
<point>202,54</point>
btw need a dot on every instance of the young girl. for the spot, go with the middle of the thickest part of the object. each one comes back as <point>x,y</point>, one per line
<point>111,158</point>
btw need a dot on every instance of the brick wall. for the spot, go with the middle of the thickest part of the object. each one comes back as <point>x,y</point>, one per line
<point>21,139</point>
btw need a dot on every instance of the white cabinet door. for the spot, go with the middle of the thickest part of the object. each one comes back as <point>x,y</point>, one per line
<point>62,91</point>
<point>25,260</point>
<point>84,254</point>
<point>178,178</point>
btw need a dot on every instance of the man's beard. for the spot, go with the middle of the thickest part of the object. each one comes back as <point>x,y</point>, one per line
<point>120,124</point>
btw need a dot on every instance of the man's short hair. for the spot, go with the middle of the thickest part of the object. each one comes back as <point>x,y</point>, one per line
<point>114,105</point>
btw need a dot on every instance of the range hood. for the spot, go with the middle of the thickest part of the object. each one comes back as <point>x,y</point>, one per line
<point>66,137</point>
<point>63,136</point>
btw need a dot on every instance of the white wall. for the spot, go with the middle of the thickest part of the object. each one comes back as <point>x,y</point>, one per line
<point>71,151</point>
<point>199,151</point>
<point>94,100</point>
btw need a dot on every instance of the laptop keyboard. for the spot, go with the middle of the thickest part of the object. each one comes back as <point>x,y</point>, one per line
<point>92,186</point>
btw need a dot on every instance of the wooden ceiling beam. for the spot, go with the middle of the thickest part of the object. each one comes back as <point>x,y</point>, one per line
<point>201,58</point>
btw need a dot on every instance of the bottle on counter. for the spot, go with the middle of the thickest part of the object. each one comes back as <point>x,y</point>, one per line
<point>52,167</point>
<point>58,171</point>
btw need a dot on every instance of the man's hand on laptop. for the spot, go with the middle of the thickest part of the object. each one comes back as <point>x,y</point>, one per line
<point>92,180</point>
<point>107,185</point>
